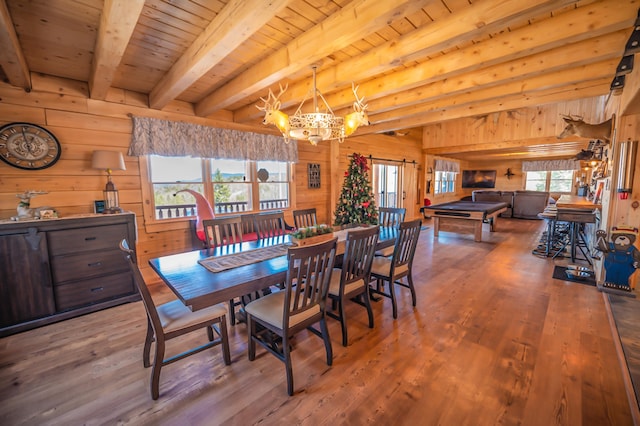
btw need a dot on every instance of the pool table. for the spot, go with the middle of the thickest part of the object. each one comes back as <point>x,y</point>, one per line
<point>464,216</point>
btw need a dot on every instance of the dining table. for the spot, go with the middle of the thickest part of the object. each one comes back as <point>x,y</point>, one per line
<point>190,275</point>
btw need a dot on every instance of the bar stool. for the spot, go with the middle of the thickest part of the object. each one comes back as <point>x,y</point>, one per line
<point>576,237</point>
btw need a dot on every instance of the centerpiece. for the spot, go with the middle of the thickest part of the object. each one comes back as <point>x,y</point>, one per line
<point>311,235</point>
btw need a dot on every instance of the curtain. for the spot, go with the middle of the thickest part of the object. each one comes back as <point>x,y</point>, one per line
<point>446,166</point>
<point>550,165</point>
<point>179,139</point>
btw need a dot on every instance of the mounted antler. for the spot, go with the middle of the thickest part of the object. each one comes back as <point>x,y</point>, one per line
<point>359,116</point>
<point>273,115</point>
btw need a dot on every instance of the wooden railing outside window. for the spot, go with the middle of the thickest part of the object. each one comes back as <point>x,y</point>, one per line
<point>186,210</point>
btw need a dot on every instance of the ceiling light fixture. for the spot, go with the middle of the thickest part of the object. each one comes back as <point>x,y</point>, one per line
<point>321,124</point>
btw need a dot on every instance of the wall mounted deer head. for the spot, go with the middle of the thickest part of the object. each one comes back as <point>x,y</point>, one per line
<point>576,126</point>
<point>359,115</point>
<point>273,115</point>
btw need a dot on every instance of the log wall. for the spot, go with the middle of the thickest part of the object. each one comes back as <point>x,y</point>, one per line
<point>83,125</point>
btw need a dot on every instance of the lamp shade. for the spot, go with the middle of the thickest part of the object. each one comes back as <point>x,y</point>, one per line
<point>108,160</point>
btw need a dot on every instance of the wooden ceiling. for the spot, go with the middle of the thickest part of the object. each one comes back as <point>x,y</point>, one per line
<point>417,62</point>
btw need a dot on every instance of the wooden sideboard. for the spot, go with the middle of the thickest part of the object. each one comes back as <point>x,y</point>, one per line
<point>52,270</point>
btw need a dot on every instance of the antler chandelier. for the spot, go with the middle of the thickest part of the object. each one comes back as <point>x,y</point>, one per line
<point>315,126</point>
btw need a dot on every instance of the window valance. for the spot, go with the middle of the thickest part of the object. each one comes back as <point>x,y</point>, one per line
<point>440,165</point>
<point>550,165</point>
<point>180,139</point>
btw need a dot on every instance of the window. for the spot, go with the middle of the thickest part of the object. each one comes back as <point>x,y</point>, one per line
<point>445,182</point>
<point>273,177</point>
<point>552,181</point>
<point>536,181</point>
<point>230,186</point>
<point>388,183</point>
<point>169,175</point>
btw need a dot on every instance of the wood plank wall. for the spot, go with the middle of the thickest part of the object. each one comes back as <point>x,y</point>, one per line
<point>83,125</point>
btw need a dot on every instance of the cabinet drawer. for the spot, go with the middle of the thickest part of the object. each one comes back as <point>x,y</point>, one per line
<point>87,292</point>
<point>86,265</point>
<point>86,239</point>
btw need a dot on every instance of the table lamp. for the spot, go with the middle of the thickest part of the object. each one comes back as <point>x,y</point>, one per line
<point>109,160</point>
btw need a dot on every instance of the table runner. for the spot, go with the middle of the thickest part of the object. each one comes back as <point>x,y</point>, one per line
<point>234,260</point>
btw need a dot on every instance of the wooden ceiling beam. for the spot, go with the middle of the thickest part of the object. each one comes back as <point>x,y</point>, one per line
<point>494,146</point>
<point>118,20</point>
<point>12,59</point>
<point>461,27</point>
<point>350,24</point>
<point>571,58</point>
<point>587,22</point>
<point>575,91</point>
<point>595,71</point>
<point>235,23</point>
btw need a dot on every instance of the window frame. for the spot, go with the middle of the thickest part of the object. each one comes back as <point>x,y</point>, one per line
<point>549,180</point>
<point>450,183</point>
<point>152,224</point>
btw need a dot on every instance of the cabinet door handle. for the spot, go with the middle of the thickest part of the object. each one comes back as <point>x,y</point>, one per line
<point>91,238</point>
<point>94,264</point>
<point>97,289</point>
<point>48,282</point>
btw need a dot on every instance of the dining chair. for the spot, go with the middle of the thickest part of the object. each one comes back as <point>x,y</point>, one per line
<point>351,281</point>
<point>174,319</point>
<point>221,232</point>
<point>397,266</point>
<point>269,225</point>
<point>390,217</point>
<point>304,218</point>
<point>273,320</point>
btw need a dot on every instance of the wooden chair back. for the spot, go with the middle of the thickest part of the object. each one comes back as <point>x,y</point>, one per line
<point>222,231</point>
<point>248,223</point>
<point>269,225</point>
<point>405,245</point>
<point>304,218</point>
<point>307,282</point>
<point>391,216</point>
<point>147,300</point>
<point>359,251</point>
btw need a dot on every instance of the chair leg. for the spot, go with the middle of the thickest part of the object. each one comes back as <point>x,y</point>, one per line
<point>232,311</point>
<point>412,288</point>
<point>226,352</point>
<point>155,371</point>
<point>286,352</point>
<point>251,329</point>
<point>367,304</point>
<point>147,345</point>
<point>327,340</point>
<point>343,321</point>
<point>392,294</point>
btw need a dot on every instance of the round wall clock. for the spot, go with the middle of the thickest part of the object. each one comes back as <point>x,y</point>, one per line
<point>28,146</point>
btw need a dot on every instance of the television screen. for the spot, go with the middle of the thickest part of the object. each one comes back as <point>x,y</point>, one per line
<point>478,178</point>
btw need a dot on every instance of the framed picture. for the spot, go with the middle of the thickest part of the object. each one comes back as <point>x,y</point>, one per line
<point>98,206</point>
<point>313,170</point>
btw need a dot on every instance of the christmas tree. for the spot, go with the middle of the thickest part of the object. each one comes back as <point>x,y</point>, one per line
<point>356,203</point>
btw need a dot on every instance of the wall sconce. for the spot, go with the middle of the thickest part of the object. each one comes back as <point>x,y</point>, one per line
<point>626,165</point>
<point>108,161</point>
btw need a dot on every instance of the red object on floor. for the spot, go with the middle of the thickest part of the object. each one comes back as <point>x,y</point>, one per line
<point>427,202</point>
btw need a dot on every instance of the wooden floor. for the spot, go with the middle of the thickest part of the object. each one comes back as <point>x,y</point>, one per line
<point>494,340</point>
